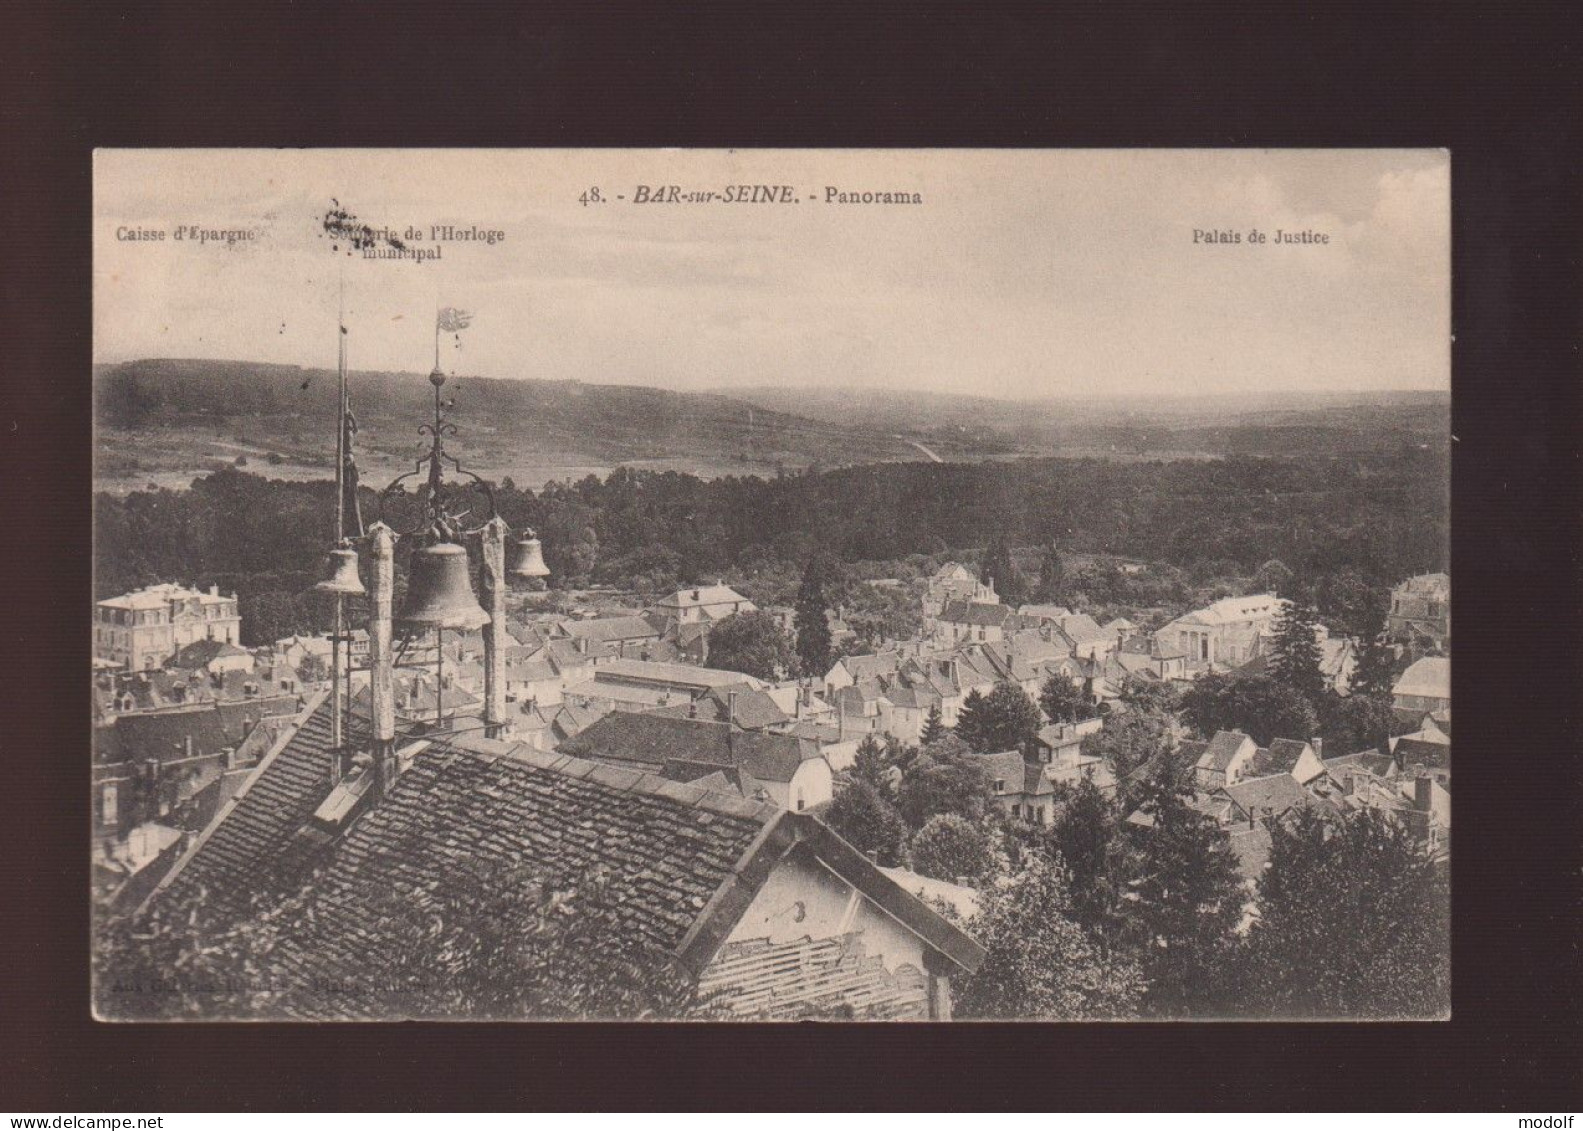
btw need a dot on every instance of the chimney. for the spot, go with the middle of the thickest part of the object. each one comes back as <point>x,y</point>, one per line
<point>731,708</point>
<point>692,709</point>
<point>214,590</point>
<point>1423,794</point>
<point>695,595</point>
<point>1352,784</point>
<point>582,645</point>
<point>1318,744</point>
<point>187,745</point>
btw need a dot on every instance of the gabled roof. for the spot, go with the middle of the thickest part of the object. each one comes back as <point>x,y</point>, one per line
<point>212,727</point>
<point>1417,752</point>
<point>1221,749</point>
<point>682,862</point>
<point>869,666</point>
<point>610,629</point>
<point>1429,676</point>
<point>201,653</point>
<point>755,710</point>
<point>1268,796</point>
<point>1044,612</point>
<point>651,739</point>
<point>685,675</point>
<point>1380,765</point>
<point>1082,629</point>
<point>240,851</point>
<point>1280,757</point>
<point>978,613</point>
<point>702,595</point>
<point>1251,847</point>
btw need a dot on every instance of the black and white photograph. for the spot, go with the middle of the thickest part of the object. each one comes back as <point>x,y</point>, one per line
<point>771,585</point>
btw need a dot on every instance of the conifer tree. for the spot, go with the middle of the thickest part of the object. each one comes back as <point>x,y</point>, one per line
<point>1296,656</point>
<point>812,617</point>
<point>1052,576</point>
<point>1375,671</point>
<point>997,567</point>
<point>934,727</point>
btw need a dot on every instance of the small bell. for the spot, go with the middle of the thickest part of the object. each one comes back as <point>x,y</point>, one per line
<point>527,559</point>
<point>343,577</point>
<point>439,591</point>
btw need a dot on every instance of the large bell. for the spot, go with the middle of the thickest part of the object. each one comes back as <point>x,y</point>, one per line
<point>527,559</point>
<point>343,577</point>
<point>439,591</point>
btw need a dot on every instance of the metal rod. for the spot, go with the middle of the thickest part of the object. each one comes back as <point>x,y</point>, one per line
<point>337,706</point>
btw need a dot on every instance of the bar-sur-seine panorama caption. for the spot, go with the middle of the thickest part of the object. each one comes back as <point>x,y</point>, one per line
<point>771,585</point>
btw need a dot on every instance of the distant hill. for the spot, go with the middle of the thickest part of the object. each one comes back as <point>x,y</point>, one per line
<point>165,420</point>
<point>1220,424</point>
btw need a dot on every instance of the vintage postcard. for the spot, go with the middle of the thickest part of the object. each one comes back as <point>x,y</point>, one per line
<point>771,585</point>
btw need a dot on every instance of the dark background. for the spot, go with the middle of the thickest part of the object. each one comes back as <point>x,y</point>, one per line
<point>1496,84</point>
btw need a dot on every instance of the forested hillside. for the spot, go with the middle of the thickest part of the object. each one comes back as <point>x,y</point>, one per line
<point>1369,519</point>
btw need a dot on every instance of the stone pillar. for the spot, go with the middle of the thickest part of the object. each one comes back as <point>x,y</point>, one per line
<point>381,655</point>
<point>495,637</point>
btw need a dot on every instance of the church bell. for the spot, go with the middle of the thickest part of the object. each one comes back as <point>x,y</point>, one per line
<point>527,559</point>
<point>439,591</point>
<point>343,576</point>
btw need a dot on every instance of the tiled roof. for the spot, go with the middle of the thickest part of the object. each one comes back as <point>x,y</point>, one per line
<point>1044,612</point>
<point>976,613</point>
<point>607,629</point>
<point>1082,629</point>
<point>648,671</point>
<point>1222,749</point>
<point>212,727</point>
<point>649,739</point>
<point>680,861</point>
<point>1279,758</point>
<point>1268,796</point>
<point>239,853</point>
<point>869,666</point>
<point>1415,751</point>
<point>702,595</point>
<point>1429,676</point>
<point>1373,761</point>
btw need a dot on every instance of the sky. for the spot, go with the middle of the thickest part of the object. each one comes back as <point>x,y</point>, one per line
<point>1025,274</point>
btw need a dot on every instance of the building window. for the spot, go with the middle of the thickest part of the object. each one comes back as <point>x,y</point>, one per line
<point>109,798</point>
<point>1000,785</point>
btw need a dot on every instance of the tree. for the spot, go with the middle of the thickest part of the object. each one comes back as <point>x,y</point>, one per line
<point>1052,577</point>
<point>997,567</point>
<point>950,847</point>
<point>1131,739</point>
<point>1186,900</point>
<point>1296,656</point>
<point>943,778</point>
<point>1063,701</point>
<point>1350,723</point>
<point>1083,836</point>
<point>752,643</point>
<point>1375,670</point>
<point>1273,577</point>
<point>1140,693</point>
<point>1354,922</point>
<point>1005,719</point>
<point>868,822</point>
<point>934,728</point>
<point>874,762</point>
<point>1038,964</point>
<point>1256,705</point>
<point>812,616</point>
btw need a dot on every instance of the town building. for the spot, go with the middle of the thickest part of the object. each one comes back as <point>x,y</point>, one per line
<point>704,604</point>
<point>790,771</point>
<point>144,629</point>
<point>1420,614</point>
<point>1425,687</point>
<point>770,914</point>
<point>1222,635</point>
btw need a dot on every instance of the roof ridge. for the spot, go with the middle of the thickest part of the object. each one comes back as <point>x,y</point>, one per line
<point>615,777</point>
